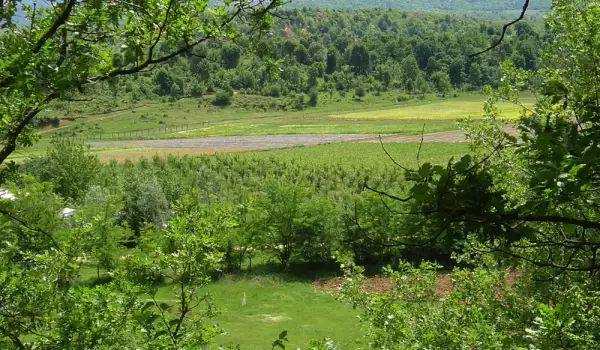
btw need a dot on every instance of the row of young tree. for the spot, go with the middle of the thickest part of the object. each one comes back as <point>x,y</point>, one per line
<point>164,222</point>
<point>332,50</point>
<point>296,213</point>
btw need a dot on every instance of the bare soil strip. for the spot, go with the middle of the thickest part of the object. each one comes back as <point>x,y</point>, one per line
<point>243,142</point>
<point>442,136</point>
<point>381,284</point>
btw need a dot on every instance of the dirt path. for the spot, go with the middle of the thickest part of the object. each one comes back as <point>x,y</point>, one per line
<point>238,143</point>
<point>442,136</point>
<point>243,142</point>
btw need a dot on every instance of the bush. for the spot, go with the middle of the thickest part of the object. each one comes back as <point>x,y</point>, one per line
<point>313,98</point>
<point>360,92</point>
<point>223,98</point>
<point>68,165</point>
<point>145,202</point>
<point>272,90</point>
<point>299,102</point>
<point>403,98</point>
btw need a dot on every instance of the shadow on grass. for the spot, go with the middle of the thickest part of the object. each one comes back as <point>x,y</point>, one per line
<point>296,272</point>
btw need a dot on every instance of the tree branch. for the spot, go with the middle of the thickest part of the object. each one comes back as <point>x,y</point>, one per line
<point>62,18</point>
<point>504,28</point>
<point>10,144</point>
<point>31,228</point>
<point>14,338</point>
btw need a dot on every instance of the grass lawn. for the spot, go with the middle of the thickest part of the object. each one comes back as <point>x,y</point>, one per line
<point>274,304</point>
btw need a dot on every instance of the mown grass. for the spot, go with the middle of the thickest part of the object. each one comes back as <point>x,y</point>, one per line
<point>274,302</point>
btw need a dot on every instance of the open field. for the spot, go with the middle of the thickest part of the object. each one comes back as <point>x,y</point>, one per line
<point>253,115</point>
<point>316,125</point>
<point>439,110</point>
<point>347,153</point>
<point>259,115</point>
<point>351,153</point>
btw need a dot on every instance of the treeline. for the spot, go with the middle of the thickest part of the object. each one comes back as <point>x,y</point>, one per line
<point>332,51</point>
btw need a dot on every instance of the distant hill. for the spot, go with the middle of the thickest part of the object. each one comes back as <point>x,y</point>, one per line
<point>493,9</point>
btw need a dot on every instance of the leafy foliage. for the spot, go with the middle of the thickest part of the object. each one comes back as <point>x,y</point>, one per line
<point>68,165</point>
<point>524,204</point>
<point>59,50</point>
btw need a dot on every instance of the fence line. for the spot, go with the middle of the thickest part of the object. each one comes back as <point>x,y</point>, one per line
<point>139,132</point>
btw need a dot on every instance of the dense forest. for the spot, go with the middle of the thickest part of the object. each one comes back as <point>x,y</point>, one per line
<point>333,51</point>
<point>481,8</point>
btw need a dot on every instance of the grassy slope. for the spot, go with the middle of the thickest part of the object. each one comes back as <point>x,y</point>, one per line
<point>254,115</point>
<point>445,109</point>
<point>375,114</point>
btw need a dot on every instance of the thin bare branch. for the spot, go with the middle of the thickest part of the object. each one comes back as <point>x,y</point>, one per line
<point>31,228</point>
<point>504,28</point>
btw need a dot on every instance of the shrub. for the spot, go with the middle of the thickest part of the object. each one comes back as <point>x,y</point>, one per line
<point>68,165</point>
<point>313,98</point>
<point>223,98</point>
<point>403,98</point>
<point>299,102</point>
<point>360,92</point>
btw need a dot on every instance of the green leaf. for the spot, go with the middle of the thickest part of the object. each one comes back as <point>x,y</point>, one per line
<point>147,305</point>
<point>425,170</point>
<point>160,334</point>
<point>278,343</point>
<point>569,228</point>
<point>463,164</point>
<point>555,87</point>
<point>165,306</point>
<point>283,334</point>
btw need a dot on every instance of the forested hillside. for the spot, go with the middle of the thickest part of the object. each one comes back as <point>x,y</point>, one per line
<point>488,9</point>
<point>328,51</point>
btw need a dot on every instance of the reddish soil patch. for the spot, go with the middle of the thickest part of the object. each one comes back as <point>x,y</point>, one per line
<point>242,142</point>
<point>377,284</point>
<point>444,285</point>
<point>381,284</point>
